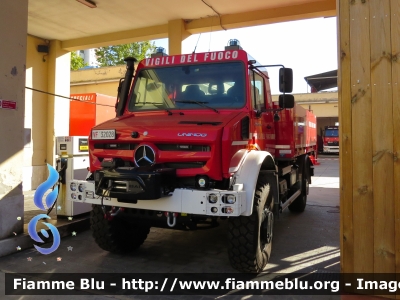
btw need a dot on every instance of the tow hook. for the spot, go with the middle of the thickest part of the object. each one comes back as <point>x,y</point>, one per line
<point>109,216</point>
<point>168,215</point>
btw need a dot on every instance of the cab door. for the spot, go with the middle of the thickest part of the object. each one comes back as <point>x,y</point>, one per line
<point>262,121</point>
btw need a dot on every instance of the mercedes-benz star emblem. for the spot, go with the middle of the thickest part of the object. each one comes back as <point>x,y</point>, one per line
<point>144,156</point>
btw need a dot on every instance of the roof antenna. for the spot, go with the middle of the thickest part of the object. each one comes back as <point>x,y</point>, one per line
<point>211,28</point>
<point>194,51</point>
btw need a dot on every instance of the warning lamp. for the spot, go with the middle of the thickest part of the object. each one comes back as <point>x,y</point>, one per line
<point>202,182</point>
<point>233,44</point>
<point>227,210</point>
<point>160,51</point>
<point>251,147</point>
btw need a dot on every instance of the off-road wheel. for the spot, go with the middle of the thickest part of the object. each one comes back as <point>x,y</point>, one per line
<point>300,203</point>
<point>250,237</point>
<point>117,235</point>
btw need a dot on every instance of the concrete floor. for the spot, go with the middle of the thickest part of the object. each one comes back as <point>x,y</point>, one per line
<point>306,242</point>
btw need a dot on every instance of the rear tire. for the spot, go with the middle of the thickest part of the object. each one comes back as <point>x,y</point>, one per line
<point>117,235</point>
<point>250,238</point>
<point>300,203</point>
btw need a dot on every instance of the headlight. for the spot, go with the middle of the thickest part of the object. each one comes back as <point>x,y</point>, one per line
<point>72,186</point>
<point>73,196</point>
<point>214,209</point>
<point>81,188</point>
<point>229,199</point>
<point>212,198</point>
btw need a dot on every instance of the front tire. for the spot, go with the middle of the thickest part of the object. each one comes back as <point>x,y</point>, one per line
<point>250,238</point>
<point>117,235</point>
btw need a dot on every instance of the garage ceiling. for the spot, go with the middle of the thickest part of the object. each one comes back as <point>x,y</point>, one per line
<point>70,20</point>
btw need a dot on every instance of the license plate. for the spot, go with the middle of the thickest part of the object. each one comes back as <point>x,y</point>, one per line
<point>103,134</point>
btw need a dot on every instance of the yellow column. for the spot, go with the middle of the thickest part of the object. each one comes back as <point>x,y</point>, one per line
<point>176,35</point>
<point>57,108</point>
<point>35,151</point>
<point>369,79</point>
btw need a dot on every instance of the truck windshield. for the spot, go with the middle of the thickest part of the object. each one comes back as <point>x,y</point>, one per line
<point>182,87</point>
<point>332,132</point>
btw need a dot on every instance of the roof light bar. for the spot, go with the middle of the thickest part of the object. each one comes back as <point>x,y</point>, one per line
<point>160,51</point>
<point>233,44</point>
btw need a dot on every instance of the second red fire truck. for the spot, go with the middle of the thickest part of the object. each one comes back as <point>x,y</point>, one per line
<point>330,139</point>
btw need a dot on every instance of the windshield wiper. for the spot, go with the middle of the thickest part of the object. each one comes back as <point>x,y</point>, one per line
<point>155,103</point>
<point>198,103</point>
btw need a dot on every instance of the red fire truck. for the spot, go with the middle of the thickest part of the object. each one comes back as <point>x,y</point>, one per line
<point>196,139</point>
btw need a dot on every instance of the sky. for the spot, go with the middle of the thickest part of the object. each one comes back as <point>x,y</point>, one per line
<point>308,47</point>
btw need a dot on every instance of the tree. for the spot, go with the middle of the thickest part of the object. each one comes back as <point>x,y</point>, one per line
<point>77,61</point>
<point>114,55</point>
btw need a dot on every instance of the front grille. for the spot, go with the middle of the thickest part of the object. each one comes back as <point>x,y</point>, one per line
<point>115,146</point>
<point>120,162</point>
<point>201,122</point>
<point>185,165</point>
<point>183,147</point>
<point>333,143</point>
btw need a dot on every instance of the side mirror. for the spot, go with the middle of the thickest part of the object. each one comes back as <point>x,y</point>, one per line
<point>286,101</point>
<point>285,80</point>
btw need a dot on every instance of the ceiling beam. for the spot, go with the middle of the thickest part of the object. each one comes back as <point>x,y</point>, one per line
<point>323,8</point>
<point>116,38</point>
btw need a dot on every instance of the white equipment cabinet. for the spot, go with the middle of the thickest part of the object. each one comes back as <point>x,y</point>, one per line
<point>73,158</point>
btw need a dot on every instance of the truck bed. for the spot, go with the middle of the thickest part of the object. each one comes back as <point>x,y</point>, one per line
<point>295,133</point>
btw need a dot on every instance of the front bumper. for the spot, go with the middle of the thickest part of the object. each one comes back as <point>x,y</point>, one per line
<point>331,149</point>
<point>131,184</point>
<point>184,201</point>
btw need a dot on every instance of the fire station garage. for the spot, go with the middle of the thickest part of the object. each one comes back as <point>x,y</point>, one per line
<point>36,41</point>
<point>325,106</point>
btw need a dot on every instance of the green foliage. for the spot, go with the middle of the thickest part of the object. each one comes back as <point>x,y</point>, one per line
<point>77,61</point>
<point>114,55</point>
